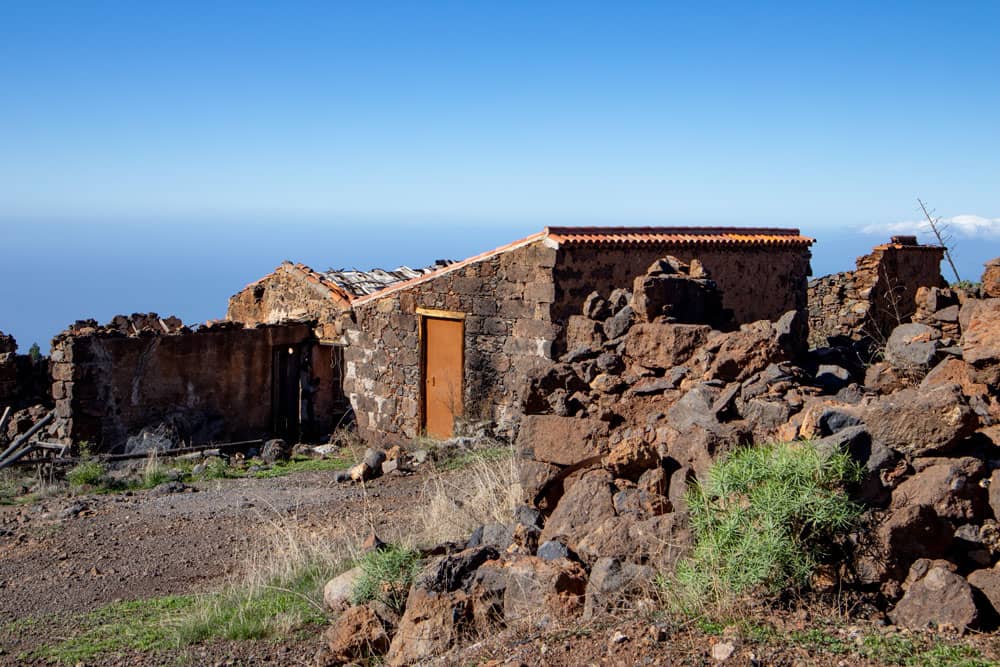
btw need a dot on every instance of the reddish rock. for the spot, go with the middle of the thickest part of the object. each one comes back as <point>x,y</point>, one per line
<point>631,457</point>
<point>562,440</point>
<point>358,634</point>
<point>539,591</point>
<point>955,371</point>
<point>582,508</point>
<point>906,535</point>
<point>743,353</point>
<point>940,599</point>
<point>663,346</point>
<point>950,487</point>
<point>881,377</point>
<point>987,582</point>
<point>432,623</point>
<point>991,279</point>
<point>918,421</point>
<point>981,338</point>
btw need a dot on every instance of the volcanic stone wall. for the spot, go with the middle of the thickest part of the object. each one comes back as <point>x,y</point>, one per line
<point>867,303</point>
<point>212,384</point>
<point>287,294</point>
<point>757,282</point>
<point>506,299</point>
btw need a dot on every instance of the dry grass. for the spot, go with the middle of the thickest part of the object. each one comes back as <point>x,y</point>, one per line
<point>278,590</point>
<point>484,490</point>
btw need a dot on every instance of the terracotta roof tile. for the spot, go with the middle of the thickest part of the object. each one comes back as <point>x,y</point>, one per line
<point>629,236</point>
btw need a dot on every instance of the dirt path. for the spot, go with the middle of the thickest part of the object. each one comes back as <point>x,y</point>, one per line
<point>70,555</point>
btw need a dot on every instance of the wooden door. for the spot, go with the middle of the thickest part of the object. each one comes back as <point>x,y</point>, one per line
<point>443,353</point>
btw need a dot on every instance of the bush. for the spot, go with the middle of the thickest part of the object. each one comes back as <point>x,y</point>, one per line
<point>386,576</point>
<point>761,521</point>
<point>86,473</point>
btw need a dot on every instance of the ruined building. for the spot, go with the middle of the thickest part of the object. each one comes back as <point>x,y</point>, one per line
<point>460,341</point>
<point>866,304</point>
<point>411,351</point>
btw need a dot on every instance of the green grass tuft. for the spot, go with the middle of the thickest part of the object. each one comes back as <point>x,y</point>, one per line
<point>386,576</point>
<point>303,464</point>
<point>761,520</point>
<point>122,627</point>
<point>460,460</point>
<point>86,473</point>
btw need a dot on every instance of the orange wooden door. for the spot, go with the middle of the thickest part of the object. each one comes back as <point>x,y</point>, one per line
<point>443,363</point>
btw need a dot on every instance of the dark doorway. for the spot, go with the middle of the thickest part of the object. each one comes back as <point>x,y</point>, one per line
<point>286,391</point>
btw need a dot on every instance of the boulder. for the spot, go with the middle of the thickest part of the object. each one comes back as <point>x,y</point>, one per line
<point>740,354</point>
<point>563,441</point>
<point>913,348</point>
<point>949,486</point>
<point>882,378</point>
<point>663,346</point>
<point>275,450</point>
<point>956,371</point>
<point>596,307</point>
<point>534,478</point>
<point>374,458</point>
<point>612,581</point>
<point>907,534</point>
<point>338,591</point>
<point>921,421</point>
<point>991,279</point>
<point>432,623</point>
<point>679,298</point>
<point>539,591</point>
<point>546,380</point>
<point>583,333</point>
<point>631,457</point>
<point>987,582</point>
<point>360,633</point>
<point>981,338</point>
<point>939,599</point>
<point>582,508</point>
<point>619,323</point>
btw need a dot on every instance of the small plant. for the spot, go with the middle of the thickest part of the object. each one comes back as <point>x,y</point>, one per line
<point>761,520</point>
<point>153,473</point>
<point>35,353</point>
<point>386,576</point>
<point>86,473</point>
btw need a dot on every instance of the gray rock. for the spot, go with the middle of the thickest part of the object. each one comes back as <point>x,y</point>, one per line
<point>374,458</point>
<point>832,378</point>
<point>617,326</point>
<point>596,307</point>
<point>553,550</point>
<point>913,347</point>
<point>611,581</point>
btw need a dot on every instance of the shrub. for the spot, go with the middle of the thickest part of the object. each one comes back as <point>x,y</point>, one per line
<point>761,520</point>
<point>386,576</point>
<point>85,473</point>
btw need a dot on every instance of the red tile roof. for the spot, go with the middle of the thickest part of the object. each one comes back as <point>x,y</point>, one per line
<point>623,236</point>
<point>714,236</point>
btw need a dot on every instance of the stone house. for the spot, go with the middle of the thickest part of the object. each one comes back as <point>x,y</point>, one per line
<point>459,342</point>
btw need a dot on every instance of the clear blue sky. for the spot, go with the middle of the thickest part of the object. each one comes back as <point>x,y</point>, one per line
<point>159,155</point>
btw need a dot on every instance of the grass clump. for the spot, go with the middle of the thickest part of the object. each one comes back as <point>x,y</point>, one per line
<point>303,464</point>
<point>279,591</point>
<point>386,576</point>
<point>761,520</point>
<point>121,627</point>
<point>86,473</point>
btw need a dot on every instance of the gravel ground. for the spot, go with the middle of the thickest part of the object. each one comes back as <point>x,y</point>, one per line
<point>64,556</point>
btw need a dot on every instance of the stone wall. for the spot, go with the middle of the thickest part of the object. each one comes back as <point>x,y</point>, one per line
<point>213,384</point>
<point>757,282</point>
<point>291,293</point>
<point>506,299</point>
<point>23,380</point>
<point>867,303</point>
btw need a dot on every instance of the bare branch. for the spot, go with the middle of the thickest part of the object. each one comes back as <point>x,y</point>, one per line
<point>940,231</point>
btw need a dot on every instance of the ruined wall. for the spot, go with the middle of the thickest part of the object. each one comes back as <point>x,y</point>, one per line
<point>286,295</point>
<point>23,380</point>
<point>507,300</point>
<point>867,303</point>
<point>211,384</point>
<point>757,282</point>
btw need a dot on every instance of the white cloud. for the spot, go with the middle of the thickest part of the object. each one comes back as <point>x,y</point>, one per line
<point>960,226</point>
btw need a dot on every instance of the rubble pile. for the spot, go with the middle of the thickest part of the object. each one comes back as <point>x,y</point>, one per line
<point>656,385</point>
